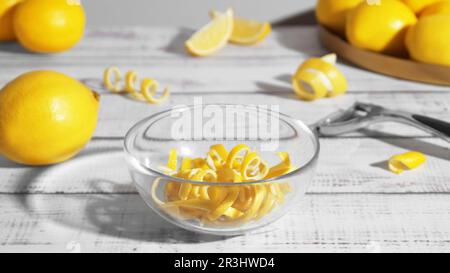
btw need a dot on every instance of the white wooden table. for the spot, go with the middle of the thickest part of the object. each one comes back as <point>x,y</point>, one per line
<point>354,204</point>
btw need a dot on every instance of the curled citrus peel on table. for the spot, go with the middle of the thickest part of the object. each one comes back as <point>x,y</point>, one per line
<point>406,161</point>
<point>224,27</point>
<point>112,80</point>
<point>317,78</point>
<point>223,205</point>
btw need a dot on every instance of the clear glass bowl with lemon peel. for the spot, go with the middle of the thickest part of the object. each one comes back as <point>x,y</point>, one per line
<point>227,182</point>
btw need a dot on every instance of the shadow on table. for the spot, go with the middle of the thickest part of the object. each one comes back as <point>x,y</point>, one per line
<point>416,144</point>
<point>101,203</point>
<point>176,45</point>
<point>304,18</point>
<point>14,47</point>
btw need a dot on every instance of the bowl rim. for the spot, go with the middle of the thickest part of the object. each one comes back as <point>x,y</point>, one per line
<point>160,175</point>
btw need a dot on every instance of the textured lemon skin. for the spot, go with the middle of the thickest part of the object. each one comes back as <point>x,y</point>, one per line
<point>418,5</point>
<point>380,28</point>
<point>332,13</point>
<point>7,8</point>
<point>442,7</point>
<point>428,41</point>
<point>45,117</point>
<point>49,26</point>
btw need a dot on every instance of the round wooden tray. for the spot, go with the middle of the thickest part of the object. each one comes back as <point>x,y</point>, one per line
<point>384,64</point>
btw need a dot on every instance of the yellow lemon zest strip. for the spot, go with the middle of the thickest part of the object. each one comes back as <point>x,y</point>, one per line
<point>260,195</point>
<point>282,168</point>
<point>406,161</point>
<point>319,77</point>
<point>131,79</point>
<point>186,164</point>
<point>234,153</point>
<point>223,205</point>
<point>220,150</point>
<point>115,85</point>
<point>251,159</point>
<point>233,193</point>
<point>149,88</point>
<point>172,162</point>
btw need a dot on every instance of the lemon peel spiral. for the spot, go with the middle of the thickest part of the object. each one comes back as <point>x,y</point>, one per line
<point>223,205</point>
<point>112,78</point>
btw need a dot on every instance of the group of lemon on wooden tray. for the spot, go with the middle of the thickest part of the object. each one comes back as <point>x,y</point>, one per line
<point>419,29</point>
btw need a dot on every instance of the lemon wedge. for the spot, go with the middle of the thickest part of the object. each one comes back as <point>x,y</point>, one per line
<point>247,32</point>
<point>213,36</point>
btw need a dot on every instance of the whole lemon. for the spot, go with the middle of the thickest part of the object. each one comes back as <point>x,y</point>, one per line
<point>45,117</point>
<point>380,28</point>
<point>418,5</point>
<point>442,7</point>
<point>7,8</point>
<point>49,26</point>
<point>429,40</point>
<point>332,13</point>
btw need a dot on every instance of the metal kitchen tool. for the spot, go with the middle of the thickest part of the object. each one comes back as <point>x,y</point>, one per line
<point>361,115</point>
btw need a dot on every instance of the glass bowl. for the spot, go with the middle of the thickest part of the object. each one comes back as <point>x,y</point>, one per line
<point>191,130</point>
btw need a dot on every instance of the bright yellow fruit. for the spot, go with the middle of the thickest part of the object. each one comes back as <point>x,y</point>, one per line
<point>247,32</point>
<point>418,5</point>
<point>380,28</point>
<point>45,117</point>
<point>212,37</point>
<point>442,7</point>
<point>317,78</point>
<point>7,8</point>
<point>429,40</point>
<point>49,26</point>
<point>332,13</point>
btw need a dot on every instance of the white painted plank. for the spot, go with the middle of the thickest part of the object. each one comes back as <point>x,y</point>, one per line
<point>123,223</point>
<point>118,114</point>
<point>345,166</point>
<point>159,53</point>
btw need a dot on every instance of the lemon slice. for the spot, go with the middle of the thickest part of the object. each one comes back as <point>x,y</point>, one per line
<point>211,37</point>
<point>247,32</point>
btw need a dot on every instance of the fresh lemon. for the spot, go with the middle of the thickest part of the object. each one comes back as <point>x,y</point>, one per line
<point>212,37</point>
<point>380,28</point>
<point>49,26</point>
<point>332,13</point>
<point>247,32</point>
<point>418,5</point>
<point>45,117</point>
<point>7,8</point>
<point>428,41</point>
<point>437,8</point>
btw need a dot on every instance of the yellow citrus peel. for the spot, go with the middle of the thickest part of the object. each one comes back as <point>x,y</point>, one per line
<point>245,31</point>
<point>211,37</point>
<point>223,205</point>
<point>407,161</point>
<point>317,78</point>
<point>112,78</point>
